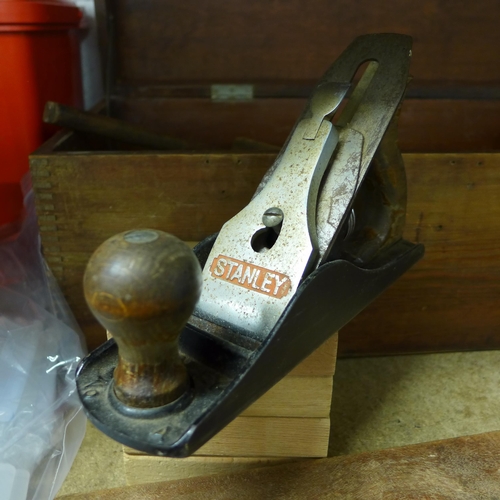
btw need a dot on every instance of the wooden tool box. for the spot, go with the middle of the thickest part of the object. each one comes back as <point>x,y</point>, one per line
<point>211,72</point>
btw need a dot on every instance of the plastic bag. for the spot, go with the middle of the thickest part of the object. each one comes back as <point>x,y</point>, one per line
<point>41,420</point>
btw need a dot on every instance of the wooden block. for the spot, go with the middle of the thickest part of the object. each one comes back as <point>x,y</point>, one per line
<point>141,469</point>
<point>295,397</point>
<point>271,437</point>
<point>258,437</point>
<point>268,437</point>
<point>321,362</point>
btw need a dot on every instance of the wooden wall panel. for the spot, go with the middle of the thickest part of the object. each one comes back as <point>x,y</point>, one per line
<point>426,125</point>
<point>193,41</point>
<point>449,301</point>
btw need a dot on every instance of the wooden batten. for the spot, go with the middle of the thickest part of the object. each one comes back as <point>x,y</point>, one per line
<point>268,437</point>
<point>140,469</point>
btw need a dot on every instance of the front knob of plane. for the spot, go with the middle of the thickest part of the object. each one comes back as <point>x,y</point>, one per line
<point>142,286</point>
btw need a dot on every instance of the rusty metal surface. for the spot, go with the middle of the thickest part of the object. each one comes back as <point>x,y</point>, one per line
<point>105,126</point>
<point>247,282</point>
<point>251,256</point>
<point>380,204</point>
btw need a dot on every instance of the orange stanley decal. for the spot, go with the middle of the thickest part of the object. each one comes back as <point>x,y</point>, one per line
<point>252,277</point>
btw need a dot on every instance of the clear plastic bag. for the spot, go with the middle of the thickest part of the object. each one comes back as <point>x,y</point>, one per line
<point>41,420</point>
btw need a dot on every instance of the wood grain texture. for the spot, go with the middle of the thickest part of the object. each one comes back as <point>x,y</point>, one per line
<point>146,469</point>
<point>320,364</point>
<point>186,41</point>
<point>449,301</point>
<point>300,397</point>
<point>295,397</point>
<point>268,437</point>
<point>464,468</point>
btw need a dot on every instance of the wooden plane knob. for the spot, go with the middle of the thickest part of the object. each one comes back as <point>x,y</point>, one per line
<point>142,286</point>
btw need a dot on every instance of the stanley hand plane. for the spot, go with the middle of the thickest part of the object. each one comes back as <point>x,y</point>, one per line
<point>321,238</point>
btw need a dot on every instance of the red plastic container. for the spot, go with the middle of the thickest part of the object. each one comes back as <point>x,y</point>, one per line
<point>39,61</point>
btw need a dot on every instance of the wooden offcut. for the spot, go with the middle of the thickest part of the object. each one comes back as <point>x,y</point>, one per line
<point>268,437</point>
<point>302,397</point>
<point>289,421</point>
<point>141,469</point>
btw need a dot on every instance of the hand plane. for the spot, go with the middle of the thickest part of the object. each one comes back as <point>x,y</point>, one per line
<point>198,337</point>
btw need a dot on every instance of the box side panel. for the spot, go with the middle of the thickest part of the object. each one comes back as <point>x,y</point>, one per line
<point>449,301</point>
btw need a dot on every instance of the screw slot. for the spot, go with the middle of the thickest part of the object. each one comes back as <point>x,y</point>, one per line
<point>273,217</point>
<point>264,239</point>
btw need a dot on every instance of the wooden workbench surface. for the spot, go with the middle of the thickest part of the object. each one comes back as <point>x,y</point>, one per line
<point>457,469</point>
<point>378,403</point>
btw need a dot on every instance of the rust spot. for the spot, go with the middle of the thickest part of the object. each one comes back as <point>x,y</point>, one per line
<point>141,385</point>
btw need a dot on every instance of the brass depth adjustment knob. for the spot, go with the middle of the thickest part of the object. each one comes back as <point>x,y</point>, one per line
<point>142,286</point>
